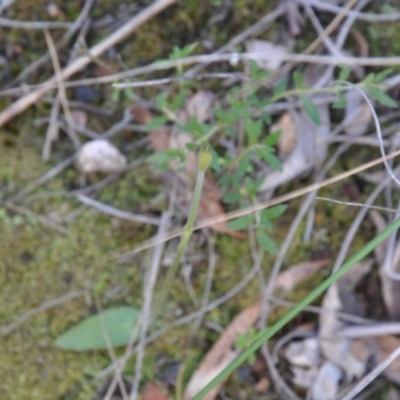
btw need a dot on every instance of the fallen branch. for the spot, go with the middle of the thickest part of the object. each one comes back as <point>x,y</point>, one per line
<point>24,102</point>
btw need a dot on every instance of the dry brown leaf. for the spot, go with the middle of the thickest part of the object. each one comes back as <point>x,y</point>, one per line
<point>152,391</point>
<point>380,347</point>
<point>287,141</point>
<point>223,351</point>
<point>159,137</point>
<point>291,277</point>
<point>200,106</point>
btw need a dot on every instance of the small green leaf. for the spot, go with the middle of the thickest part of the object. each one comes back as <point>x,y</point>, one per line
<point>162,99</point>
<point>311,110</point>
<point>155,123</point>
<point>266,118</point>
<point>273,212</point>
<point>273,138</point>
<point>190,146</point>
<point>115,95</point>
<point>281,87</point>
<point>240,223</point>
<point>382,75</point>
<point>215,163</point>
<point>179,99</point>
<point>382,97</point>
<point>345,72</point>
<point>253,130</point>
<point>340,102</point>
<point>266,243</point>
<point>118,322</point>
<point>271,159</point>
<point>298,79</point>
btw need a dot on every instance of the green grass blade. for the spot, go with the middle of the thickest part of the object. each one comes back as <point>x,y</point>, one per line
<point>267,333</point>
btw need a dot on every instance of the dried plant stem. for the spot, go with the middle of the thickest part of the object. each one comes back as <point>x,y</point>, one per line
<point>186,235</point>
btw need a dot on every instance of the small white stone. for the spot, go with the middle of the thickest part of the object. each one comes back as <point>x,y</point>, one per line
<point>100,156</point>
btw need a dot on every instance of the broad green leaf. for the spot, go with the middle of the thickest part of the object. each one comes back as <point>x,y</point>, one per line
<point>89,334</point>
<point>345,72</point>
<point>311,110</point>
<point>240,223</point>
<point>266,243</point>
<point>273,212</point>
<point>382,97</point>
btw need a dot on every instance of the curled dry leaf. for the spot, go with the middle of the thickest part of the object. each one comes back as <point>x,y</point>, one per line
<point>269,51</point>
<point>357,114</point>
<point>223,351</point>
<point>326,386</point>
<point>310,149</point>
<point>338,296</point>
<point>100,156</point>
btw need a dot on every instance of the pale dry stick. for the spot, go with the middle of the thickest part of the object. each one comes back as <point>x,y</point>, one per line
<point>212,261</point>
<point>44,178</point>
<point>327,41</point>
<point>254,30</point>
<point>65,39</point>
<point>182,321</point>
<point>278,200</point>
<point>110,348</point>
<point>115,212</point>
<point>119,126</point>
<point>42,219</point>
<point>319,310</point>
<point>14,24</point>
<point>272,79</point>
<point>6,329</point>
<point>52,129</point>
<point>377,329</point>
<point>355,204</point>
<point>119,367</point>
<point>23,103</point>
<point>340,41</point>
<point>328,6</point>
<point>62,94</point>
<point>357,222</point>
<point>165,81</point>
<point>279,383</point>
<point>148,290</point>
<point>371,376</point>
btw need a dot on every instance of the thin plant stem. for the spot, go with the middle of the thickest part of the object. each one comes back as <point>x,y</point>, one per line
<point>186,235</point>
<point>267,333</point>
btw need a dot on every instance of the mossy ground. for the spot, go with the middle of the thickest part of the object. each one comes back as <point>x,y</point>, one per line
<point>38,264</point>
